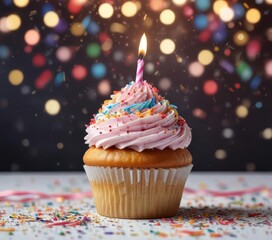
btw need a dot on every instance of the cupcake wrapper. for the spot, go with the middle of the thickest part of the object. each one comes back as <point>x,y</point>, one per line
<point>137,193</point>
<point>133,176</point>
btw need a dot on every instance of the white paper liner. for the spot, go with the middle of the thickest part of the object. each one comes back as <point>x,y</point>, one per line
<point>116,175</point>
<point>137,193</point>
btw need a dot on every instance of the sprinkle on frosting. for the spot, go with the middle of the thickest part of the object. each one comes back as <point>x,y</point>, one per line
<point>138,117</point>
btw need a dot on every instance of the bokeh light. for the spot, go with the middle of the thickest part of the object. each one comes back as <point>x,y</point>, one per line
<point>241,111</point>
<point>228,133</point>
<point>51,40</point>
<point>205,57</point>
<point>167,46</point>
<point>167,17</point>
<point>107,45</point>
<point>63,54</point>
<point>21,3</point>
<point>51,19</point>
<point>210,87</point>
<point>165,84</point>
<point>129,9</point>
<point>98,70</point>
<point>179,2</point>
<point>218,5</point>
<point>77,29</point>
<point>16,77</point>
<point>79,72</point>
<point>220,154</point>
<point>199,113</point>
<point>4,52</point>
<point>226,14</point>
<point>253,15</point>
<point>32,37</point>
<point>196,69</point>
<point>241,38</point>
<point>268,68</point>
<point>60,145</point>
<point>203,5</point>
<point>13,22</point>
<point>104,87</point>
<point>267,133</point>
<point>250,167</point>
<point>52,107</point>
<point>38,60</point>
<point>117,28</point>
<point>157,5</point>
<point>3,25</point>
<point>105,10</point>
<point>239,11</point>
<point>149,67</point>
<point>93,50</point>
<point>201,21</point>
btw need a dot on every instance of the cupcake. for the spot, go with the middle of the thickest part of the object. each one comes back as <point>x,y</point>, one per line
<point>137,162</point>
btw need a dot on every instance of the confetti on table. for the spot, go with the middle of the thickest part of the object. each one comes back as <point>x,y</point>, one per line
<point>201,215</point>
<point>60,59</point>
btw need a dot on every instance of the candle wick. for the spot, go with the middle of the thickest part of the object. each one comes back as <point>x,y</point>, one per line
<point>141,56</point>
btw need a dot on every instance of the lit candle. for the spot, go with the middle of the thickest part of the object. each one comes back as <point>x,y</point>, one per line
<point>140,62</point>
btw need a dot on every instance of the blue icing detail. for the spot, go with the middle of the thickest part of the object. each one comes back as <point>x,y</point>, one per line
<point>173,106</point>
<point>140,106</point>
<point>109,107</point>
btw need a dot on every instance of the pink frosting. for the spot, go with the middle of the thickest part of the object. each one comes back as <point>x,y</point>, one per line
<point>138,117</point>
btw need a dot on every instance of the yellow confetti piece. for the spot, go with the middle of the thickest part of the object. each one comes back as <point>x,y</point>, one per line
<point>246,5</point>
<point>192,221</point>
<point>176,225</point>
<point>7,229</point>
<point>215,235</point>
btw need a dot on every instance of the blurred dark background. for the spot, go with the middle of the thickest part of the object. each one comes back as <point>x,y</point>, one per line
<point>61,59</point>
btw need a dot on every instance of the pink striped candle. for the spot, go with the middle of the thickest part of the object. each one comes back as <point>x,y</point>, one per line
<point>140,70</point>
<point>140,62</point>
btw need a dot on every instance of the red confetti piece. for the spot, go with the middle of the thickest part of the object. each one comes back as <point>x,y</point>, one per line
<point>43,79</point>
<point>226,221</point>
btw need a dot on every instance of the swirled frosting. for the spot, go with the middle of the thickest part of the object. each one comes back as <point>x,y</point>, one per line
<point>138,117</point>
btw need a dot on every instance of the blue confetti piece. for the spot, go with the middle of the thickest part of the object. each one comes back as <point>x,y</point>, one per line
<point>93,28</point>
<point>227,66</point>
<point>86,21</point>
<point>255,82</point>
<point>59,79</point>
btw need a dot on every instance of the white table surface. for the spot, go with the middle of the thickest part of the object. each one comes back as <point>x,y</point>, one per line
<point>201,216</point>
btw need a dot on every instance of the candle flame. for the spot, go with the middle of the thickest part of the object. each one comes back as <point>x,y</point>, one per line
<point>143,46</point>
